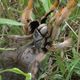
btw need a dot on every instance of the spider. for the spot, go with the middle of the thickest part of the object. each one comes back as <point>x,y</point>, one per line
<point>28,57</point>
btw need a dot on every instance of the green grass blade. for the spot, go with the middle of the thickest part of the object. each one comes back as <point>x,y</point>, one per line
<point>71,67</point>
<point>10,22</point>
<point>46,4</point>
<point>17,71</point>
<point>60,62</point>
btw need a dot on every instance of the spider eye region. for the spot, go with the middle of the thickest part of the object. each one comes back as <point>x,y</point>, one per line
<point>33,25</point>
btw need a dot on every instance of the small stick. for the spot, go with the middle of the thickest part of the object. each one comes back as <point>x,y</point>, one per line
<point>18,37</point>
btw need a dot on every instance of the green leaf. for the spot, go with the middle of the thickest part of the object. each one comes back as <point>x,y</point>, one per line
<point>46,4</point>
<point>17,71</point>
<point>10,22</point>
<point>0,77</point>
<point>28,77</point>
<point>7,49</point>
<point>14,70</point>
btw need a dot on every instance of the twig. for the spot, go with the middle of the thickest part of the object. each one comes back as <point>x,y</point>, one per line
<point>16,37</point>
<point>71,29</point>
